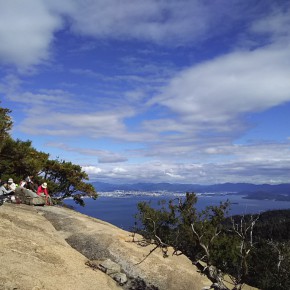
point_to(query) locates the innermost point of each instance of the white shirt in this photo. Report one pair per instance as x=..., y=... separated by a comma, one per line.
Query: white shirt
x=12, y=186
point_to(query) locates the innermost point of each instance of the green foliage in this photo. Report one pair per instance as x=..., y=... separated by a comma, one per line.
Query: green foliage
x=158, y=223
x=181, y=226
x=208, y=227
x=269, y=260
x=225, y=253
x=270, y=264
x=19, y=159
x=5, y=125
x=274, y=225
x=252, y=249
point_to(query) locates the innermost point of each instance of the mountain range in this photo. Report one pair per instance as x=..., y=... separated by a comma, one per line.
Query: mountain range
x=238, y=188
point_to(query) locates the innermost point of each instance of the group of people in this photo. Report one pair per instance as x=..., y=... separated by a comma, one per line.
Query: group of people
x=7, y=189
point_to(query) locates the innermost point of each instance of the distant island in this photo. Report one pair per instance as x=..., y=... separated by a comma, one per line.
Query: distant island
x=262, y=195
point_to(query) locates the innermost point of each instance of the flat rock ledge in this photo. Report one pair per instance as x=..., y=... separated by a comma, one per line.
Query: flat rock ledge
x=58, y=248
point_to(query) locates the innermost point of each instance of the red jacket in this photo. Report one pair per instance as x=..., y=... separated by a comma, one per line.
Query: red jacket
x=41, y=190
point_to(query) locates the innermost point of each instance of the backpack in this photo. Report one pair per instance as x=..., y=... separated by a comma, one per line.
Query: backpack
x=29, y=197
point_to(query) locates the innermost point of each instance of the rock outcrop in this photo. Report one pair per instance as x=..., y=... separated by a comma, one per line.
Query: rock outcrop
x=52, y=248
x=34, y=256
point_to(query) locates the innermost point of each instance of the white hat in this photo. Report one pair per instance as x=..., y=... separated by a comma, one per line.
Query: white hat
x=44, y=185
x=10, y=180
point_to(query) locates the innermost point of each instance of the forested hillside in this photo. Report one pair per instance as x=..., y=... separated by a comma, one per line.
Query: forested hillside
x=251, y=249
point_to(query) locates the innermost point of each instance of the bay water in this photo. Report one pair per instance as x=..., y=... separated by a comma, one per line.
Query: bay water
x=119, y=208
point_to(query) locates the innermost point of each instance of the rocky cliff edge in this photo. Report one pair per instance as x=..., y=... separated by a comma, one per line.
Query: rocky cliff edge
x=57, y=248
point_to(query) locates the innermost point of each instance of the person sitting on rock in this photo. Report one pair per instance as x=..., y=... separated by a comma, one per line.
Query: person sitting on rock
x=11, y=184
x=22, y=183
x=43, y=192
x=4, y=192
x=30, y=184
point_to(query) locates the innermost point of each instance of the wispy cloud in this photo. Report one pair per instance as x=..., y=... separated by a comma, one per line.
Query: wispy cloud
x=208, y=173
x=28, y=28
x=275, y=25
x=229, y=86
x=150, y=20
x=104, y=156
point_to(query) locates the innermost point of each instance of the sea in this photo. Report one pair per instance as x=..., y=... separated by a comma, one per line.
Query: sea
x=120, y=207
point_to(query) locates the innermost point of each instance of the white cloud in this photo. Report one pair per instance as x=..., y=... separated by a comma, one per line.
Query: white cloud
x=262, y=171
x=59, y=113
x=56, y=112
x=92, y=170
x=224, y=88
x=97, y=124
x=119, y=170
x=255, y=163
x=26, y=30
x=174, y=176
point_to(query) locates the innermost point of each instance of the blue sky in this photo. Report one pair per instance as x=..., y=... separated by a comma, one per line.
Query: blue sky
x=152, y=91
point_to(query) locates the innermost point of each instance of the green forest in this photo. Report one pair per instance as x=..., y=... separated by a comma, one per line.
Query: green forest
x=19, y=159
